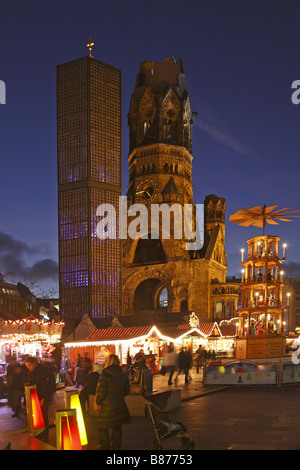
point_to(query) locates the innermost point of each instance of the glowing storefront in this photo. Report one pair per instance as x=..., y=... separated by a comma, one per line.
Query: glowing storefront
x=152, y=339
x=28, y=336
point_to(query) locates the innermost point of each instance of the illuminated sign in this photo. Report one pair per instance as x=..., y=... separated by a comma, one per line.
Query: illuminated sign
x=194, y=320
x=29, y=328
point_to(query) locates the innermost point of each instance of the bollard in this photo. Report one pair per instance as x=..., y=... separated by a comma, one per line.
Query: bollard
x=72, y=401
x=67, y=432
x=35, y=419
x=147, y=381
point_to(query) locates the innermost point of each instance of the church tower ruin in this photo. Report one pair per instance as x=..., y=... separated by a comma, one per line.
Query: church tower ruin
x=160, y=274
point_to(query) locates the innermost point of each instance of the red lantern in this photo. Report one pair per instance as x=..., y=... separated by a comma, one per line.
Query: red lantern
x=67, y=431
x=35, y=419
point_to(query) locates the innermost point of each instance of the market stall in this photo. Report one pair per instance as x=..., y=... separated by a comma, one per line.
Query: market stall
x=209, y=335
x=29, y=336
x=151, y=340
x=123, y=341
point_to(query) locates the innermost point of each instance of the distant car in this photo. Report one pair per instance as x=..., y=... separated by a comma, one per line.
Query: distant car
x=3, y=383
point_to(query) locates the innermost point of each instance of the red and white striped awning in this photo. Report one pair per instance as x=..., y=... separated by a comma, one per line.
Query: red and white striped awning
x=111, y=335
x=206, y=329
x=228, y=330
x=114, y=334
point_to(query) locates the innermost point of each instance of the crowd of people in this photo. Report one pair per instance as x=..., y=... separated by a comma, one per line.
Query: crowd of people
x=106, y=380
x=31, y=371
x=183, y=362
x=110, y=385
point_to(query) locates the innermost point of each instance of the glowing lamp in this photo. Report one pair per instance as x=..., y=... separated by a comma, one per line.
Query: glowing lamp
x=72, y=401
x=35, y=419
x=284, y=248
x=67, y=431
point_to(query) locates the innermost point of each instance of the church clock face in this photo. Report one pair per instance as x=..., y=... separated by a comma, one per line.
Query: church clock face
x=146, y=191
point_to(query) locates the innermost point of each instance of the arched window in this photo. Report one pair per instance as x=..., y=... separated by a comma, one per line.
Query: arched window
x=163, y=298
x=150, y=296
x=219, y=310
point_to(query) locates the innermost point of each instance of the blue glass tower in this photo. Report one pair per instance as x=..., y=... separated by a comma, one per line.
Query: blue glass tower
x=89, y=174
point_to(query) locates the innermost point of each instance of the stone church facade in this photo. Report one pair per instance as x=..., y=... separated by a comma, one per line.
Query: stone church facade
x=159, y=273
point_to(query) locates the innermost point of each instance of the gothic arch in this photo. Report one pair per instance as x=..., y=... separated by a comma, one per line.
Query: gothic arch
x=141, y=283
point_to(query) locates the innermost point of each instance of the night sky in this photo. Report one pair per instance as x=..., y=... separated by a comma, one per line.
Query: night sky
x=240, y=59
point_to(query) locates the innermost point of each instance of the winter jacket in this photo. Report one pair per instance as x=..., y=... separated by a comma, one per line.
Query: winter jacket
x=92, y=382
x=171, y=359
x=41, y=377
x=112, y=388
x=184, y=359
x=65, y=366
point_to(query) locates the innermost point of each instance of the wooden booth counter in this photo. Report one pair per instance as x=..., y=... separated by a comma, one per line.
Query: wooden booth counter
x=260, y=346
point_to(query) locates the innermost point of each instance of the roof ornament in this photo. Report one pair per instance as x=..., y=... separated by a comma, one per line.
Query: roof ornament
x=258, y=216
x=90, y=45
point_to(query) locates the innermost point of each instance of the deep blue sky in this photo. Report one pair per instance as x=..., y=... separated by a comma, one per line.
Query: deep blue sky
x=240, y=59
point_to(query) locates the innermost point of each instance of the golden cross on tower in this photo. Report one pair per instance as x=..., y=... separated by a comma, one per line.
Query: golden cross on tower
x=90, y=45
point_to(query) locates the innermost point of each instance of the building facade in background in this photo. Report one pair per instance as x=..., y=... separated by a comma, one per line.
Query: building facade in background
x=160, y=274
x=89, y=174
x=16, y=301
x=292, y=289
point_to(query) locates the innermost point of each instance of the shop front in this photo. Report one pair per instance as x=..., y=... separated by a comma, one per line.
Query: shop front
x=210, y=335
x=28, y=336
x=123, y=342
x=151, y=341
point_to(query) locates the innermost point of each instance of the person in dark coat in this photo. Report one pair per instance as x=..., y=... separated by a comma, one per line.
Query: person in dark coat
x=9, y=379
x=65, y=369
x=85, y=365
x=39, y=376
x=77, y=366
x=184, y=363
x=89, y=389
x=17, y=388
x=112, y=388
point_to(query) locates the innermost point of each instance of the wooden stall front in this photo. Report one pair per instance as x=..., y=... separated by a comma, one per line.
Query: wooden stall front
x=260, y=346
x=122, y=341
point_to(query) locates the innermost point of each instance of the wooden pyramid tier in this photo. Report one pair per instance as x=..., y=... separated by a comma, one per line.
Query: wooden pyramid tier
x=261, y=325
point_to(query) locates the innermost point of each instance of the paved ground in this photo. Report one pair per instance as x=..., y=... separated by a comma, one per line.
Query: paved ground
x=264, y=418
x=256, y=418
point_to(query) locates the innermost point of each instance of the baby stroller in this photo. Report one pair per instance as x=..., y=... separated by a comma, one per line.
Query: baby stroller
x=165, y=427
